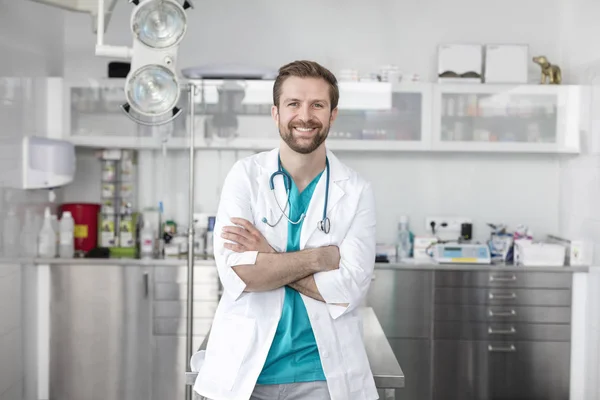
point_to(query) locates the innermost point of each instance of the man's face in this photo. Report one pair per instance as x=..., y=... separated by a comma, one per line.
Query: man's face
x=304, y=114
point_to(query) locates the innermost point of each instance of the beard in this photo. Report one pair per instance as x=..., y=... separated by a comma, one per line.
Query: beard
x=304, y=145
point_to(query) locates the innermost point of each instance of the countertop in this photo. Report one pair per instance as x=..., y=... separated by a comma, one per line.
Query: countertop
x=386, y=370
x=176, y=262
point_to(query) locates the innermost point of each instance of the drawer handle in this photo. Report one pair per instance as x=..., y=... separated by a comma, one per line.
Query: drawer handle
x=510, y=313
x=146, y=284
x=510, y=331
x=509, y=349
x=494, y=278
x=505, y=296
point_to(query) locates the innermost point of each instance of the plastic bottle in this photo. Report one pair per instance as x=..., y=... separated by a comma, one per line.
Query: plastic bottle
x=29, y=236
x=403, y=244
x=147, y=240
x=11, y=233
x=47, y=237
x=66, y=226
x=55, y=228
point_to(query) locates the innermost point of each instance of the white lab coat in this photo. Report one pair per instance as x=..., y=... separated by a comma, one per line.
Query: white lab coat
x=245, y=323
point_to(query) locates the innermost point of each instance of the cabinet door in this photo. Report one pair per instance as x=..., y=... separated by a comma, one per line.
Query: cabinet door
x=414, y=357
x=482, y=370
x=535, y=371
x=511, y=118
x=466, y=370
x=93, y=117
x=402, y=301
x=378, y=116
x=100, y=332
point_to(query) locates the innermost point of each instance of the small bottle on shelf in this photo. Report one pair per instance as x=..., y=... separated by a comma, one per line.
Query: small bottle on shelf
x=47, y=237
x=404, y=242
x=66, y=226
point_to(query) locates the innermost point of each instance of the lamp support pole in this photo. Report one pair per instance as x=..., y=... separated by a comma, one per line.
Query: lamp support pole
x=104, y=50
x=190, y=264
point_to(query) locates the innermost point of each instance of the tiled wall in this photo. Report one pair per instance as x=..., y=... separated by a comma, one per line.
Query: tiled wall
x=482, y=187
x=11, y=356
x=27, y=51
x=580, y=180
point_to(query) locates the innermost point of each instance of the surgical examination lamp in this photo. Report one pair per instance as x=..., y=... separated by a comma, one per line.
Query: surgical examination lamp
x=152, y=88
x=152, y=91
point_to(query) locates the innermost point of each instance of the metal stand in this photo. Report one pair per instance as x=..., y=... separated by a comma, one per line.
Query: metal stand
x=190, y=265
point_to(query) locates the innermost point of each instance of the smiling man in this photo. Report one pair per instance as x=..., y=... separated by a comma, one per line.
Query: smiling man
x=295, y=250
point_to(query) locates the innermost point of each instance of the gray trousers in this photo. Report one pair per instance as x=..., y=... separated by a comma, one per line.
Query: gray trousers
x=291, y=391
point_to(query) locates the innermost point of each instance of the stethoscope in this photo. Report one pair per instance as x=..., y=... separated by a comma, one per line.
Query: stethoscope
x=323, y=225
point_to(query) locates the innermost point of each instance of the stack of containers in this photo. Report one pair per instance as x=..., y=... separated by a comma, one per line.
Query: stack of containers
x=118, y=220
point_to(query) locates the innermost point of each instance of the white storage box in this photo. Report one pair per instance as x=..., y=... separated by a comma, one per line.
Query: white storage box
x=539, y=254
x=463, y=60
x=506, y=63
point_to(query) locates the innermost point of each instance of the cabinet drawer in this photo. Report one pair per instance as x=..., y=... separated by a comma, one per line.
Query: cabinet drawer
x=177, y=309
x=177, y=291
x=177, y=326
x=503, y=313
x=501, y=331
x=501, y=279
x=203, y=274
x=508, y=296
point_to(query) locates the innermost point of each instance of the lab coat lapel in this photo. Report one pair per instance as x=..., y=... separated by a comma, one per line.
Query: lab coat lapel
x=314, y=213
x=277, y=234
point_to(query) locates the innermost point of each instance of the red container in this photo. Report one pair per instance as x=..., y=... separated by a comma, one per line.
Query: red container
x=85, y=216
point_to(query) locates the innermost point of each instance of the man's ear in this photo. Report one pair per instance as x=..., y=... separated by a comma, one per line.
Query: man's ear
x=275, y=114
x=334, y=114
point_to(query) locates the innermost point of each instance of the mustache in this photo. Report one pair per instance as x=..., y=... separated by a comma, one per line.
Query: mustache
x=305, y=125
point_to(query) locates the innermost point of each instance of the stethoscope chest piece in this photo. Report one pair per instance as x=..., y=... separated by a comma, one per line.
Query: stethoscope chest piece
x=324, y=225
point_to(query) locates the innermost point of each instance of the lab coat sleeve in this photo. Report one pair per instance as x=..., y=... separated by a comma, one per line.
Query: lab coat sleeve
x=349, y=283
x=235, y=202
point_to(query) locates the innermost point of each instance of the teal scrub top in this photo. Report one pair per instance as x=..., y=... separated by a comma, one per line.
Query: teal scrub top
x=294, y=356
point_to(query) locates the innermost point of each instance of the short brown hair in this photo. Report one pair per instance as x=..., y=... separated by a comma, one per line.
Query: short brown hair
x=306, y=69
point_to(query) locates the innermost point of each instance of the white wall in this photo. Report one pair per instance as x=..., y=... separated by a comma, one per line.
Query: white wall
x=365, y=35
x=31, y=44
x=338, y=33
x=30, y=39
x=580, y=177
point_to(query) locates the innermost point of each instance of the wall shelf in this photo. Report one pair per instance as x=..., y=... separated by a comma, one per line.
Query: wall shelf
x=373, y=116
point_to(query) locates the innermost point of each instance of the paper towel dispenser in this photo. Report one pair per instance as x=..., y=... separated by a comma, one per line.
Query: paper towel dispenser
x=35, y=162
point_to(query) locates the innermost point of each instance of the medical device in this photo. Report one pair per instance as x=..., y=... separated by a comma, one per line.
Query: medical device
x=462, y=253
x=323, y=225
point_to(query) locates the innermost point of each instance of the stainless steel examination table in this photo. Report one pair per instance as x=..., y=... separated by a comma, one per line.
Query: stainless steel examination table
x=386, y=369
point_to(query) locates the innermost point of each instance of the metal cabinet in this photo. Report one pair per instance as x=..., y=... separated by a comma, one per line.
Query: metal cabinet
x=403, y=303
x=169, y=295
x=100, y=332
x=501, y=335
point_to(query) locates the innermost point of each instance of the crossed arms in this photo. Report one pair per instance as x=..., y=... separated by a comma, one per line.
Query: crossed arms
x=336, y=275
x=273, y=270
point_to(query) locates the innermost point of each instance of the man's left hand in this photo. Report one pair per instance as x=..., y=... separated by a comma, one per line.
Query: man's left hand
x=245, y=237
